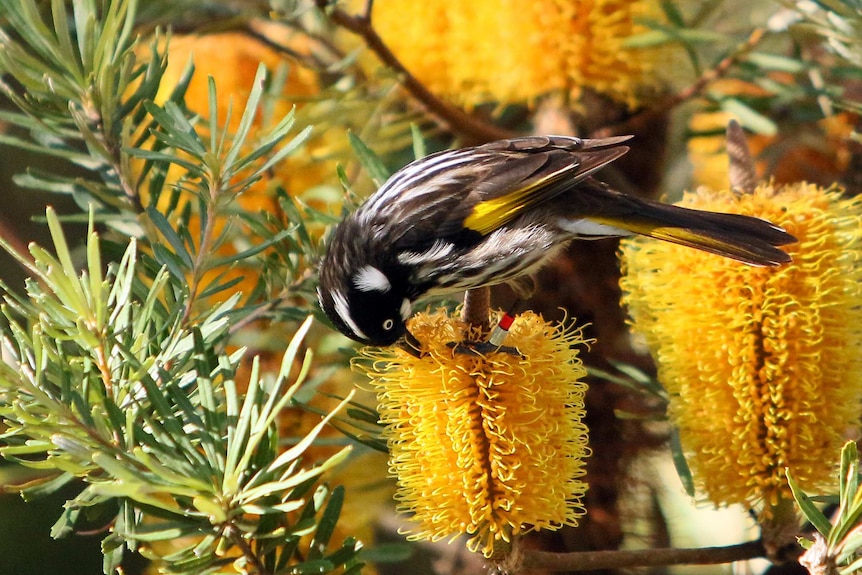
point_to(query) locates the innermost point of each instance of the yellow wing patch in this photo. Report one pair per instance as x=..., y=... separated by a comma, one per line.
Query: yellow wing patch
x=492, y=214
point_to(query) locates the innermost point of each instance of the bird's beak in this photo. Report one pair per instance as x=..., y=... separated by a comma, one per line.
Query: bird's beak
x=411, y=345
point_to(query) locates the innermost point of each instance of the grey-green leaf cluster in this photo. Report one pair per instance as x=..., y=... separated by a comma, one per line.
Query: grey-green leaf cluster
x=837, y=544
x=122, y=371
x=102, y=382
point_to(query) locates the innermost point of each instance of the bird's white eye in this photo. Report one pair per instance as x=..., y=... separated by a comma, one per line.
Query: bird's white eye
x=388, y=324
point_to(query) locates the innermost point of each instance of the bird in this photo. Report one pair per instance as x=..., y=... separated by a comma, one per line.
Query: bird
x=496, y=213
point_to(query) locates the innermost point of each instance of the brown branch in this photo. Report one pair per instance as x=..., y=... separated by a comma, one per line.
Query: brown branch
x=686, y=94
x=595, y=560
x=472, y=129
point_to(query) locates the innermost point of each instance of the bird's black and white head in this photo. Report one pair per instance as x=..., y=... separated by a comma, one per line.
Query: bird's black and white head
x=358, y=296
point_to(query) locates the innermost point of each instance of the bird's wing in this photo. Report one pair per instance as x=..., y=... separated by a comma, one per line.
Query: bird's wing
x=499, y=182
x=536, y=170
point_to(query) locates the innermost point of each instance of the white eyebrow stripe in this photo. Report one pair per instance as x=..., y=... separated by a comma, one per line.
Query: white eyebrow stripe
x=439, y=249
x=369, y=278
x=343, y=311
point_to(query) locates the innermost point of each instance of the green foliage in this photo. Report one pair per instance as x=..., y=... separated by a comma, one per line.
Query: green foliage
x=80, y=97
x=837, y=546
x=104, y=382
x=118, y=369
x=838, y=23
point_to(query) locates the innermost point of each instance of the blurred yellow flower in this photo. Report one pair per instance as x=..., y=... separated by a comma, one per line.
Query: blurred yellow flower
x=511, y=51
x=489, y=446
x=762, y=365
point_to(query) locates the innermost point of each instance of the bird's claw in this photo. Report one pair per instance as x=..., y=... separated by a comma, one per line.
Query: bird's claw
x=478, y=348
x=482, y=348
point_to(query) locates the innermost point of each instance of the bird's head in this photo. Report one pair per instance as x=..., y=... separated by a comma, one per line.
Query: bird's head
x=363, y=303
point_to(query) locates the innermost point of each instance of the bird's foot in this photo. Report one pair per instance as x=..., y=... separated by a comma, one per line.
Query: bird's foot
x=483, y=348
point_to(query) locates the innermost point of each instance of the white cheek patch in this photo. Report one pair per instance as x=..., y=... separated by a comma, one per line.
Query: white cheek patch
x=406, y=309
x=369, y=278
x=586, y=228
x=343, y=311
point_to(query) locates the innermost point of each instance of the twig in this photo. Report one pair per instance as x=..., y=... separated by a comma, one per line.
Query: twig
x=595, y=560
x=687, y=93
x=247, y=551
x=454, y=119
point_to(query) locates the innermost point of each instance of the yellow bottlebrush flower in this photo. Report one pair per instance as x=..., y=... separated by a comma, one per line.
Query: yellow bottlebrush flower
x=512, y=51
x=762, y=364
x=489, y=446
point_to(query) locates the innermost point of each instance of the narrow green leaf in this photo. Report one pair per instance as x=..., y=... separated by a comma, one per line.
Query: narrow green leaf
x=294, y=452
x=156, y=156
x=177, y=131
x=369, y=160
x=809, y=510
x=252, y=251
x=60, y=245
x=776, y=62
x=238, y=435
x=366, y=416
x=212, y=94
x=65, y=524
x=43, y=488
x=161, y=531
x=673, y=14
x=680, y=463
x=387, y=553
x=165, y=228
x=247, y=119
x=856, y=566
x=748, y=117
x=419, y=150
x=311, y=567
x=346, y=554
x=327, y=524
x=849, y=472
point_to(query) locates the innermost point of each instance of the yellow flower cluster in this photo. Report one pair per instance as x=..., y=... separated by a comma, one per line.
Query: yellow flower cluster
x=513, y=51
x=763, y=365
x=491, y=446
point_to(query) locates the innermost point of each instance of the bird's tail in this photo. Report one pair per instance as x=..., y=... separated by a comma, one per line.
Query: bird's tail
x=743, y=238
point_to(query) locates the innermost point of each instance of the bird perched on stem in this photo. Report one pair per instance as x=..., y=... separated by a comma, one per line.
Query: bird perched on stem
x=491, y=214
